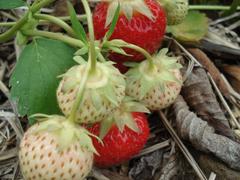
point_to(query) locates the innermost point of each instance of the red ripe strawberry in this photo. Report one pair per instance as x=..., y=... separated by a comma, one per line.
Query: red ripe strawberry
x=120, y=146
x=141, y=22
x=121, y=67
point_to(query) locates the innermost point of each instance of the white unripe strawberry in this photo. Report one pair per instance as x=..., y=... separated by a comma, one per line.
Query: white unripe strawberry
x=56, y=149
x=104, y=91
x=156, y=87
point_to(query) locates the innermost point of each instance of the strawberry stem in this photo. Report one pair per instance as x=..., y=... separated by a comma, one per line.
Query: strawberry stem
x=20, y=23
x=56, y=21
x=63, y=18
x=36, y=7
x=210, y=7
x=91, y=36
x=144, y=52
x=79, y=96
x=7, y=23
x=56, y=36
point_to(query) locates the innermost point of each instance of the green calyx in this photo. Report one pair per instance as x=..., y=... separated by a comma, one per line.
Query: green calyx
x=160, y=73
x=116, y=45
x=123, y=116
x=103, y=84
x=128, y=8
x=66, y=132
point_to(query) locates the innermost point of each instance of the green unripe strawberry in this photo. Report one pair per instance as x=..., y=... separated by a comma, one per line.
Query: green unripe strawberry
x=176, y=10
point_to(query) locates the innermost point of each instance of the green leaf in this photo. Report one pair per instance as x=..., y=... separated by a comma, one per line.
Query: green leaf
x=113, y=24
x=130, y=122
x=96, y=99
x=117, y=43
x=146, y=85
x=137, y=107
x=118, y=50
x=34, y=80
x=131, y=64
x=105, y=127
x=86, y=142
x=76, y=25
x=111, y=12
x=11, y=4
x=110, y=95
x=82, y=51
x=66, y=137
x=79, y=60
x=193, y=28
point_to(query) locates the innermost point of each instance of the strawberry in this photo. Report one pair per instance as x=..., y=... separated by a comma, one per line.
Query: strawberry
x=176, y=10
x=156, y=86
x=123, y=140
x=104, y=91
x=56, y=149
x=141, y=22
x=121, y=67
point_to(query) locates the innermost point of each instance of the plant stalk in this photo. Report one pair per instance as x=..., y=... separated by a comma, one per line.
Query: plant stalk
x=67, y=18
x=79, y=96
x=92, y=53
x=11, y=32
x=36, y=7
x=142, y=51
x=63, y=18
x=7, y=23
x=56, y=21
x=210, y=7
x=56, y=36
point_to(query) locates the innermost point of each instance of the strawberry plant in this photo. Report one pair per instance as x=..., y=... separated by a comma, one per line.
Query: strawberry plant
x=78, y=79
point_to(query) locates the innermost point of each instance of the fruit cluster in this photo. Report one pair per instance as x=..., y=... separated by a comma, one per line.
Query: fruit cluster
x=98, y=100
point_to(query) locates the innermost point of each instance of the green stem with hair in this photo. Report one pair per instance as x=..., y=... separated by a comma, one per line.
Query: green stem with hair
x=11, y=32
x=63, y=18
x=142, y=51
x=92, y=52
x=67, y=18
x=7, y=23
x=20, y=23
x=36, y=7
x=56, y=36
x=210, y=7
x=56, y=21
x=79, y=96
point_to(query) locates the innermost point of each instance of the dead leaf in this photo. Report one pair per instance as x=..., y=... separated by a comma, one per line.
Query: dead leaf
x=211, y=68
x=233, y=73
x=145, y=168
x=203, y=137
x=199, y=95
